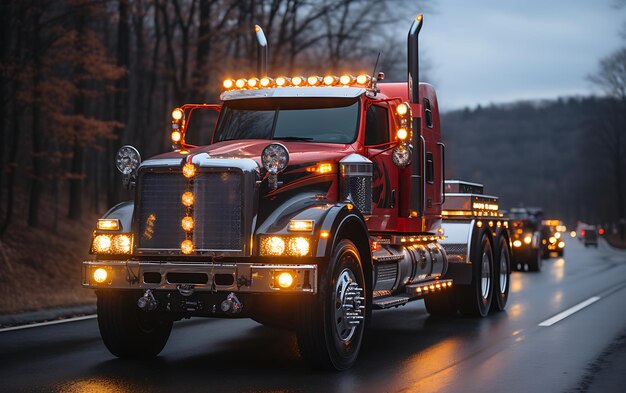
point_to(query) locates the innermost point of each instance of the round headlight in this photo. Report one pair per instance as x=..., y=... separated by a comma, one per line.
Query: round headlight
x=127, y=160
x=401, y=156
x=275, y=157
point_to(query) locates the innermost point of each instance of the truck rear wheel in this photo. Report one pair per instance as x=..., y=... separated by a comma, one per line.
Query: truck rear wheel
x=331, y=324
x=474, y=300
x=127, y=331
x=501, y=275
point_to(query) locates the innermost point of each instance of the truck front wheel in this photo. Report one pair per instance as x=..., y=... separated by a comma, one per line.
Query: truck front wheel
x=331, y=324
x=127, y=331
x=474, y=300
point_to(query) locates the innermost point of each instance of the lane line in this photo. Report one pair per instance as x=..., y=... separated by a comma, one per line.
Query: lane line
x=40, y=324
x=569, y=311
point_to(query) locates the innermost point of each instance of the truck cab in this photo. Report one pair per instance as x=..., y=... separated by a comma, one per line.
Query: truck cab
x=318, y=200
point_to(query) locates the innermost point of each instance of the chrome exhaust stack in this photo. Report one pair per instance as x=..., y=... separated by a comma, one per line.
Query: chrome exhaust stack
x=147, y=302
x=262, y=52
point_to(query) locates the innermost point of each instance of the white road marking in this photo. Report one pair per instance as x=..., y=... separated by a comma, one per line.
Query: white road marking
x=32, y=325
x=569, y=311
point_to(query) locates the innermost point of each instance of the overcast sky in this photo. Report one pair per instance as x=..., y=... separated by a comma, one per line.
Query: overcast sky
x=484, y=51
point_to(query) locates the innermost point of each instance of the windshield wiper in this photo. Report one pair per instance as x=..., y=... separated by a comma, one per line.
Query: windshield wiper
x=293, y=138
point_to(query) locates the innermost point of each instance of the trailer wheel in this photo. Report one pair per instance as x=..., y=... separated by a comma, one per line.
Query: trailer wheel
x=127, y=331
x=330, y=325
x=501, y=275
x=474, y=300
x=441, y=304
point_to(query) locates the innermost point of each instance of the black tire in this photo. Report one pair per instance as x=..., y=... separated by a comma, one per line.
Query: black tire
x=535, y=261
x=474, y=300
x=127, y=331
x=501, y=275
x=324, y=339
x=441, y=304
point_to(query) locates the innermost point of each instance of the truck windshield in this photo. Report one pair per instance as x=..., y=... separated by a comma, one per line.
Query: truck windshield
x=310, y=120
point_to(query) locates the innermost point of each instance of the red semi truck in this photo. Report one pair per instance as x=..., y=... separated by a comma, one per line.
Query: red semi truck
x=318, y=200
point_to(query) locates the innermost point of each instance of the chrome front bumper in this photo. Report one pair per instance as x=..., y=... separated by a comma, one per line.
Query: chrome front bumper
x=231, y=277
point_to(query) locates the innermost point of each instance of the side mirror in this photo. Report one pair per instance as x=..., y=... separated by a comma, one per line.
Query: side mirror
x=127, y=162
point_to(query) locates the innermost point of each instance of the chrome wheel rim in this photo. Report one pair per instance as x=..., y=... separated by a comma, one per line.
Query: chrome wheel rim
x=504, y=268
x=486, y=276
x=348, y=305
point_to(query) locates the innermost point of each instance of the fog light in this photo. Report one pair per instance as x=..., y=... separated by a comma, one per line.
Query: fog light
x=101, y=244
x=517, y=243
x=299, y=246
x=100, y=275
x=285, y=280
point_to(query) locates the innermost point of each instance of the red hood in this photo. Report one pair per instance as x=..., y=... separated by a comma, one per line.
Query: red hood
x=299, y=152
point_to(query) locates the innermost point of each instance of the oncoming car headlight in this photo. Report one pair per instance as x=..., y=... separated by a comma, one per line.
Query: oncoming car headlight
x=294, y=246
x=116, y=244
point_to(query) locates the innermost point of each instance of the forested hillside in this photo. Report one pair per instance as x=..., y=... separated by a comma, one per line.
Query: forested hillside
x=552, y=154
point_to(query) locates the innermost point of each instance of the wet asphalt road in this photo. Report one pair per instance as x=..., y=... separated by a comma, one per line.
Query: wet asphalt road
x=406, y=350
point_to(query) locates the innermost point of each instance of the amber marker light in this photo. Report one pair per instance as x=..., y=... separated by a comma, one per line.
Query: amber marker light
x=301, y=225
x=324, y=234
x=187, y=223
x=228, y=84
x=189, y=170
x=100, y=275
x=479, y=224
x=186, y=246
x=176, y=136
x=240, y=83
x=346, y=79
x=297, y=81
x=177, y=114
x=188, y=198
x=313, y=80
x=108, y=224
x=572, y=234
x=362, y=79
x=265, y=82
x=280, y=81
x=285, y=280
x=402, y=134
x=402, y=109
x=330, y=80
x=253, y=82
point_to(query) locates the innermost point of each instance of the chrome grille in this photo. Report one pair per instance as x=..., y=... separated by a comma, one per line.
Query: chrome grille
x=217, y=211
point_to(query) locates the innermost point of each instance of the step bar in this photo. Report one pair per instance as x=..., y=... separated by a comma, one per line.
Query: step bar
x=413, y=292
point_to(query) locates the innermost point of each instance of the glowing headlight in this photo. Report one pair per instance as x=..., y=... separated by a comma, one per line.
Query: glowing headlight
x=402, y=109
x=557, y=235
x=101, y=244
x=127, y=160
x=528, y=239
x=273, y=245
x=177, y=114
x=112, y=244
x=299, y=246
x=552, y=240
x=517, y=243
x=275, y=157
x=401, y=156
x=561, y=244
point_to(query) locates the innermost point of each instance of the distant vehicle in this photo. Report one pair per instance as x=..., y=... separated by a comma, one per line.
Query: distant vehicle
x=526, y=238
x=552, y=238
x=589, y=236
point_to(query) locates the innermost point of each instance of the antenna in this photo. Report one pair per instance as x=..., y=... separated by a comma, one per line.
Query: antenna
x=375, y=66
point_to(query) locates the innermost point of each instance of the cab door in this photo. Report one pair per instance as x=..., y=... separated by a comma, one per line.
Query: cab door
x=385, y=181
